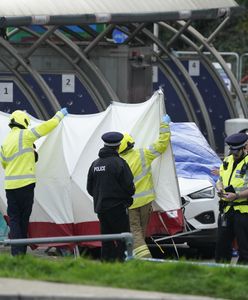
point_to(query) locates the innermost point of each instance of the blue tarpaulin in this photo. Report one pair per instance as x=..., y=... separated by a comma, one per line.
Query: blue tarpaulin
x=194, y=157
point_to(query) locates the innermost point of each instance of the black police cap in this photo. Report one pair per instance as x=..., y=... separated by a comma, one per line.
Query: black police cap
x=236, y=140
x=112, y=138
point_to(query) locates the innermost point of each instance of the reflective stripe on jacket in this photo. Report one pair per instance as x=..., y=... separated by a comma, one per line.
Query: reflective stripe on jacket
x=238, y=178
x=140, y=160
x=17, y=153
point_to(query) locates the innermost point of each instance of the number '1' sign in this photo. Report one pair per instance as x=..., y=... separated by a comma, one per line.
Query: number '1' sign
x=6, y=91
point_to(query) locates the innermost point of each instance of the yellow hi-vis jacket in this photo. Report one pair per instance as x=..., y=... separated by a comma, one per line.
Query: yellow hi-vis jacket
x=140, y=160
x=238, y=178
x=17, y=153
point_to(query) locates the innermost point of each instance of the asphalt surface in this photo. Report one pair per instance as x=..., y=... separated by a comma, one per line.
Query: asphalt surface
x=18, y=289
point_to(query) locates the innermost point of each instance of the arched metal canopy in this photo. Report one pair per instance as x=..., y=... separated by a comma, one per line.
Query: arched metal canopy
x=133, y=18
x=73, y=12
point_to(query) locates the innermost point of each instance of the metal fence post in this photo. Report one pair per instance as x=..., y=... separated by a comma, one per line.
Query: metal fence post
x=129, y=244
x=126, y=236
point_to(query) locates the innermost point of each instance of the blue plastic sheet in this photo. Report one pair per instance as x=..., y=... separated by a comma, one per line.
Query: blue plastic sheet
x=194, y=157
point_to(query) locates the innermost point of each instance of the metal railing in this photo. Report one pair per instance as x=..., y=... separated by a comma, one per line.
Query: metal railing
x=126, y=236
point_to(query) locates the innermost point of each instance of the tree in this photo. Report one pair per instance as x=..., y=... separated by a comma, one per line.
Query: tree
x=234, y=38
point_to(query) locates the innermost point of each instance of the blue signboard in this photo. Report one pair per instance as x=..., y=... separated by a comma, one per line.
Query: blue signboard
x=119, y=37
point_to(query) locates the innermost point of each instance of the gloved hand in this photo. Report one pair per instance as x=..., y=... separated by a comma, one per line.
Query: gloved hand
x=166, y=119
x=64, y=111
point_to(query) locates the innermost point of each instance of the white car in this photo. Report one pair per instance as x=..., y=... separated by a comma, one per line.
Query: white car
x=194, y=160
x=201, y=210
x=200, y=202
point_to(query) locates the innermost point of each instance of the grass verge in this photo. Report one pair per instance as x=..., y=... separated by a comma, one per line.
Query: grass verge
x=171, y=277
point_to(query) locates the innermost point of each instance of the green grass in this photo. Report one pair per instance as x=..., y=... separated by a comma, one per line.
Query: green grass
x=171, y=277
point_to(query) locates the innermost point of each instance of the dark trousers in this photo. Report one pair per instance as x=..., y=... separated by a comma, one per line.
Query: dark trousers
x=236, y=227
x=20, y=203
x=112, y=221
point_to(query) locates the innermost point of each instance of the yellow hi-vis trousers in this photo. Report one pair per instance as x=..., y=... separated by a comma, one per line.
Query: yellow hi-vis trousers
x=139, y=218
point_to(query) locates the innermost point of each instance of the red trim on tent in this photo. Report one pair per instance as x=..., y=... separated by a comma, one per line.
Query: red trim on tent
x=158, y=224
x=46, y=229
x=170, y=222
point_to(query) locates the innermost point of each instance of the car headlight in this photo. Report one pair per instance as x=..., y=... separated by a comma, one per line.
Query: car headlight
x=208, y=192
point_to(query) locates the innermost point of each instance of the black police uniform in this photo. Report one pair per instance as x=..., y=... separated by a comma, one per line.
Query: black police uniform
x=233, y=223
x=110, y=183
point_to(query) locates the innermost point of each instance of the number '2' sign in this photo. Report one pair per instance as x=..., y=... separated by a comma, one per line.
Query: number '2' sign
x=68, y=83
x=6, y=91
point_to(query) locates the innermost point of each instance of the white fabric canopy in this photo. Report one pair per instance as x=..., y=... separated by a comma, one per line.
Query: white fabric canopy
x=24, y=12
x=74, y=7
x=66, y=154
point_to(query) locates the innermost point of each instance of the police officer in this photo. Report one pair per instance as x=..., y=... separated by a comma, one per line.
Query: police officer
x=232, y=187
x=18, y=158
x=140, y=161
x=110, y=183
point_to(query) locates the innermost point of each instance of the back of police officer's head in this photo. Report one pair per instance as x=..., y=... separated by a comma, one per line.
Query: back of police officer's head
x=237, y=143
x=112, y=139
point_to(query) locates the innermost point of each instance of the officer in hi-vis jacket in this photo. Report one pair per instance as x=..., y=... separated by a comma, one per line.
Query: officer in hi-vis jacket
x=18, y=157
